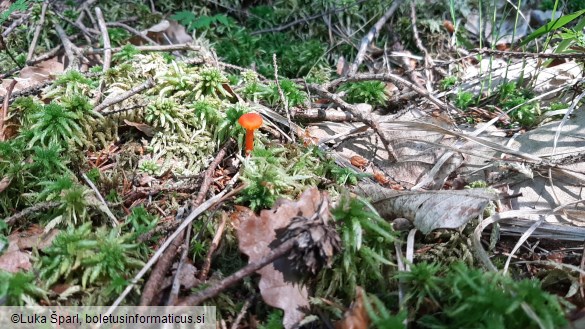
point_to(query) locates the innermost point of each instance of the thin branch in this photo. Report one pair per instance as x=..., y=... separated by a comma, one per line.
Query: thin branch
x=389, y=77
x=316, y=114
x=205, y=185
x=101, y=198
x=428, y=60
x=357, y=113
x=186, y=222
x=283, y=99
x=106, y=37
x=133, y=31
x=68, y=46
x=89, y=34
x=367, y=40
x=242, y=312
x=49, y=54
x=214, y=243
x=38, y=29
x=44, y=206
x=84, y=9
x=109, y=102
x=4, y=112
x=15, y=24
x=520, y=54
x=307, y=19
x=152, y=285
x=181, y=46
x=248, y=270
x=176, y=286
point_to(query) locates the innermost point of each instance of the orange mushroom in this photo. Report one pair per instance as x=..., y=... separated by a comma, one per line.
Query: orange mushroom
x=250, y=122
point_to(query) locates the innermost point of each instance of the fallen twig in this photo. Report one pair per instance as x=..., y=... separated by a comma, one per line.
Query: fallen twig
x=242, y=312
x=214, y=290
x=114, y=100
x=162, y=266
x=357, y=113
x=151, y=287
x=181, y=46
x=106, y=37
x=49, y=54
x=316, y=114
x=15, y=24
x=521, y=54
x=428, y=60
x=389, y=77
x=176, y=285
x=133, y=31
x=186, y=222
x=43, y=206
x=307, y=19
x=283, y=99
x=68, y=46
x=4, y=112
x=366, y=40
x=38, y=29
x=99, y=196
x=214, y=243
x=88, y=33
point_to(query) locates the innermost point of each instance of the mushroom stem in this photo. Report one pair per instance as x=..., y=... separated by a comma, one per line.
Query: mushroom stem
x=249, y=140
x=250, y=122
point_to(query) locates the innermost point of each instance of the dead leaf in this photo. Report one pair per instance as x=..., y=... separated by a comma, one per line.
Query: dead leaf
x=165, y=32
x=36, y=238
x=279, y=283
x=342, y=66
x=143, y=127
x=357, y=316
x=188, y=276
x=33, y=75
x=428, y=210
x=13, y=259
x=4, y=183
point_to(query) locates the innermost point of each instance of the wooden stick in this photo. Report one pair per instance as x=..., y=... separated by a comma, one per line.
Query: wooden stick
x=366, y=40
x=214, y=290
x=146, y=85
x=38, y=29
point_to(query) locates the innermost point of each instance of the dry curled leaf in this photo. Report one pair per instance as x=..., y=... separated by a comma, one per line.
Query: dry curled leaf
x=279, y=283
x=13, y=259
x=143, y=127
x=428, y=210
x=165, y=32
x=357, y=316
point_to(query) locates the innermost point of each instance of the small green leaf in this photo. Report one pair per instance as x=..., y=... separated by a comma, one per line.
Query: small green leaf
x=552, y=26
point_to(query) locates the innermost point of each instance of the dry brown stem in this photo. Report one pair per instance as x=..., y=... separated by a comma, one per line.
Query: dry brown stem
x=4, y=112
x=214, y=290
x=358, y=114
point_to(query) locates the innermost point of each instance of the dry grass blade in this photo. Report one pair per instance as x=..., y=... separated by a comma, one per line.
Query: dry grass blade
x=480, y=252
x=565, y=118
x=521, y=241
x=409, y=125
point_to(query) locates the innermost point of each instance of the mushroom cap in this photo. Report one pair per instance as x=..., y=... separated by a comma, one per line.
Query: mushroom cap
x=250, y=121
